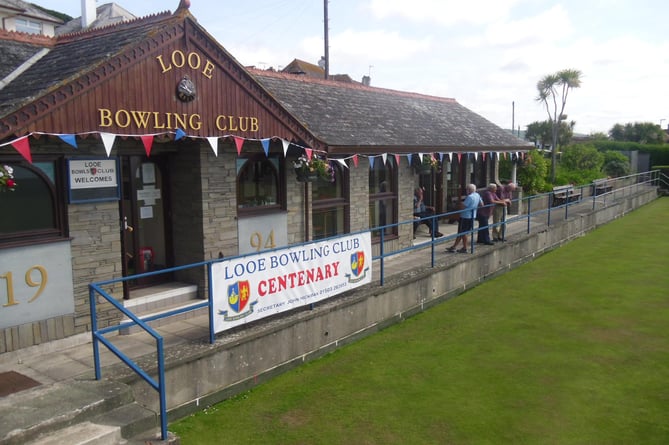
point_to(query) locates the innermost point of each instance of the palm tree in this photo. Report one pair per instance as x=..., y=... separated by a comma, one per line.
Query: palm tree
x=553, y=91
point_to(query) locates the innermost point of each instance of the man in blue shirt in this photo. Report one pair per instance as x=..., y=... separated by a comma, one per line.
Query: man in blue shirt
x=467, y=217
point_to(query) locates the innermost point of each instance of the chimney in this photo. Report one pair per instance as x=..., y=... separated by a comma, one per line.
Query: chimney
x=366, y=80
x=88, y=13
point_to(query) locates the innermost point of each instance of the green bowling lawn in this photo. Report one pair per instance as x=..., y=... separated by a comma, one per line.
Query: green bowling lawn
x=572, y=348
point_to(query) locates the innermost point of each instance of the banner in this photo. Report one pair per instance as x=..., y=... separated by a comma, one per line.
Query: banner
x=257, y=286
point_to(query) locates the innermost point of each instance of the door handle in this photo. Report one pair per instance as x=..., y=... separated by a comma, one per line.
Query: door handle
x=126, y=226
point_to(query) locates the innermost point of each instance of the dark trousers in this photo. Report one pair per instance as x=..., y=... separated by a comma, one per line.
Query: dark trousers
x=483, y=233
x=428, y=222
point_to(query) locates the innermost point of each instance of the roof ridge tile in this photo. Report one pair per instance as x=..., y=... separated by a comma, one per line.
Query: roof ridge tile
x=350, y=85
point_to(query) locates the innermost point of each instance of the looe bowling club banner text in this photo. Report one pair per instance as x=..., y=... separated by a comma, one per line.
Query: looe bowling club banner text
x=253, y=287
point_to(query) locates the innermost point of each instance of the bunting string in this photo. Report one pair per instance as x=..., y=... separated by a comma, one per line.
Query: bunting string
x=22, y=145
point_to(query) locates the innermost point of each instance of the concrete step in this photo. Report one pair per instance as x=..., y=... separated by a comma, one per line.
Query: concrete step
x=41, y=411
x=85, y=433
x=161, y=299
x=131, y=419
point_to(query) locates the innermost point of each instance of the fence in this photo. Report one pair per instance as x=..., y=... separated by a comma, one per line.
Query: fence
x=534, y=211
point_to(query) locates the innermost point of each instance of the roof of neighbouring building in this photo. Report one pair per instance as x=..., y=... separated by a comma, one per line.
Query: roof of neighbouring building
x=298, y=66
x=106, y=15
x=28, y=10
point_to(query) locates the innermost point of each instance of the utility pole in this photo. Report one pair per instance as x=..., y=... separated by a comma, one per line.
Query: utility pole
x=327, y=40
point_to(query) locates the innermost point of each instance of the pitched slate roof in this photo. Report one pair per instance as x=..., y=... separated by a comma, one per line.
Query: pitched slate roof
x=354, y=117
x=69, y=57
x=14, y=52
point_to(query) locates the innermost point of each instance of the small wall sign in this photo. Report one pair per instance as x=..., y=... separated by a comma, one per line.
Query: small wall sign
x=93, y=180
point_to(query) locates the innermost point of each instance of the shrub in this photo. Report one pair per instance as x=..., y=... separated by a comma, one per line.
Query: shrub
x=616, y=164
x=532, y=173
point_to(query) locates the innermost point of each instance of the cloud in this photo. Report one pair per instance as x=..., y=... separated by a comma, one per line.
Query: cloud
x=383, y=45
x=549, y=27
x=443, y=12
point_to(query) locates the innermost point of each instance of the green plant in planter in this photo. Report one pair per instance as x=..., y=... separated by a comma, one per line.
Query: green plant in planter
x=312, y=169
x=428, y=164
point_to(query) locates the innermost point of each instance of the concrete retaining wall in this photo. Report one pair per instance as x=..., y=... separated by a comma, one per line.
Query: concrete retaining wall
x=202, y=374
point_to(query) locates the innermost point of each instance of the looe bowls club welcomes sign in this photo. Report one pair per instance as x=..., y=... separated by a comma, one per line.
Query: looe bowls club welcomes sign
x=256, y=286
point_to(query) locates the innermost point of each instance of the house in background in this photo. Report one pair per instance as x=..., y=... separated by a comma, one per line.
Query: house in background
x=300, y=67
x=105, y=15
x=20, y=16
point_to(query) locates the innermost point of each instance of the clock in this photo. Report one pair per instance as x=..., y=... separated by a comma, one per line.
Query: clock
x=186, y=90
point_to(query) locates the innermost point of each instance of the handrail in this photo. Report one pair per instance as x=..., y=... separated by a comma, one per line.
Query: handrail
x=98, y=334
x=629, y=183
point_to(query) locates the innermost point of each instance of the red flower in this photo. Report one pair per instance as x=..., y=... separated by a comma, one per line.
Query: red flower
x=11, y=183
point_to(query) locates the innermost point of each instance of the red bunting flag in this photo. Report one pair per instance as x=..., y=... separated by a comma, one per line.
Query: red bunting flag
x=23, y=146
x=238, y=142
x=309, y=152
x=147, y=140
x=355, y=160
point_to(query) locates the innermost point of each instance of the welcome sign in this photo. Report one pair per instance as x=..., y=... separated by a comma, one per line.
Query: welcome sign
x=253, y=287
x=93, y=180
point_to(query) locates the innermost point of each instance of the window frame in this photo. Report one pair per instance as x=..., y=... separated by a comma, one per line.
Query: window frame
x=343, y=202
x=59, y=204
x=391, y=171
x=280, y=205
x=28, y=26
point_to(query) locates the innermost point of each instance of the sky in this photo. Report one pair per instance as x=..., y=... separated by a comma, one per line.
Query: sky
x=486, y=54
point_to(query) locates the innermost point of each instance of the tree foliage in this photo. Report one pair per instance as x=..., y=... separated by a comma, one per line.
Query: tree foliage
x=532, y=173
x=641, y=132
x=553, y=92
x=541, y=133
x=599, y=136
x=582, y=157
x=616, y=164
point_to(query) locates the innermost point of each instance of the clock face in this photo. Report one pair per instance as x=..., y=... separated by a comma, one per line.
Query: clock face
x=186, y=89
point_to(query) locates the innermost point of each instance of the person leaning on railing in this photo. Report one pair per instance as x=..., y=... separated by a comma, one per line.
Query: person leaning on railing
x=505, y=194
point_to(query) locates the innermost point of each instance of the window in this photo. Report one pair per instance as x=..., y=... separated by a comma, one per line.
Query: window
x=258, y=185
x=383, y=198
x=330, y=205
x=29, y=26
x=35, y=210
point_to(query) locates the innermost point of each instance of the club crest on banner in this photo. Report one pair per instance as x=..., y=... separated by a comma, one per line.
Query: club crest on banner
x=358, y=270
x=239, y=296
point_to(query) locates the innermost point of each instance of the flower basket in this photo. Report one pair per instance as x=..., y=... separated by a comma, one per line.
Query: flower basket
x=304, y=175
x=7, y=182
x=428, y=165
x=310, y=170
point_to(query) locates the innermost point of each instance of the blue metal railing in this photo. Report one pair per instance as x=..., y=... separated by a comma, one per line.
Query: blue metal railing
x=95, y=289
x=624, y=186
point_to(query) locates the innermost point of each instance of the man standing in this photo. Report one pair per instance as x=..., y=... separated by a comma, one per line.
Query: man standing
x=505, y=195
x=420, y=210
x=467, y=216
x=490, y=200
